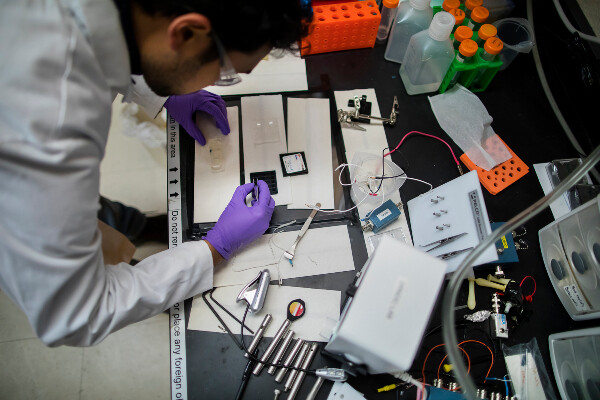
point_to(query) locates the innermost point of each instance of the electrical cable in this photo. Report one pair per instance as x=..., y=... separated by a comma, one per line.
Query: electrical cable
x=428, y=135
x=529, y=297
x=546, y=87
x=455, y=283
x=570, y=27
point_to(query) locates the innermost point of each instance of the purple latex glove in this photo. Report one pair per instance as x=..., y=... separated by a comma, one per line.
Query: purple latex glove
x=183, y=107
x=239, y=224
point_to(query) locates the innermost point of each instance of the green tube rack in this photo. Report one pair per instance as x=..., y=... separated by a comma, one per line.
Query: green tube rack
x=475, y=75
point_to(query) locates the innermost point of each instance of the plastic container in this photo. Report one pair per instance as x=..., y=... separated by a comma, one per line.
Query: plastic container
x=499, y=9
x=470, y=5
x=478, y=17
x=459, y=16
x=413, y=16
x=461, y=33
x=467, y=49
x=428, y=56
x=388, y=13
x=484, y=33
x=517, y=35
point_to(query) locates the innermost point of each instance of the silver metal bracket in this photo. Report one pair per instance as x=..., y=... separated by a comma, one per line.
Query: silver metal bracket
x=347, y=117
x=255, y=297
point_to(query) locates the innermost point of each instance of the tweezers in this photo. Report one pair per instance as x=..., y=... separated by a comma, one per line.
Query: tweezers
x=443, y=242
x=451, y=254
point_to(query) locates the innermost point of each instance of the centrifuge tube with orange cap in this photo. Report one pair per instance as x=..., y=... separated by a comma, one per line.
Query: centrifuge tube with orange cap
x=459, y=16
x=478, y=17
x=492, y=47
x=466, y=51
x=448, y=5
x=485, y=32
x=470, y=5
x=388, y=13
x=461, y=33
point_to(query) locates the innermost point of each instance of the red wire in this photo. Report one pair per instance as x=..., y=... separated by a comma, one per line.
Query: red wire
x=424, y=134
x=464, y=341
x=529, y=297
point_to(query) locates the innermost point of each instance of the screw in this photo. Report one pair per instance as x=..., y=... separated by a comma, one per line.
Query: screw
x=277, y=393
x=437, y=214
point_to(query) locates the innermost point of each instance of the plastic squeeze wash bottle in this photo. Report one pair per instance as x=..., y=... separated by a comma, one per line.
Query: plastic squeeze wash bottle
x=413, y=16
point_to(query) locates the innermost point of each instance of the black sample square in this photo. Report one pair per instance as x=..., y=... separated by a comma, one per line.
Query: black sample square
x=269, y=177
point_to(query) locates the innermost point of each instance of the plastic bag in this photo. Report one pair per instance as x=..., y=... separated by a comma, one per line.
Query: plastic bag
x=136, y=123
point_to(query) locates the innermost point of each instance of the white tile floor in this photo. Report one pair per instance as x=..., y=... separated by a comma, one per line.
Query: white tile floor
x=132, y=363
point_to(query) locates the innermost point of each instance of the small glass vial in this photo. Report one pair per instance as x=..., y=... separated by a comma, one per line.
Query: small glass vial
x=470, y=5
x=485, y=32
x=466, y=51
x=459, y=16
x=448, y=5
x=388, y=13
x=478, y=17
x=461, y=33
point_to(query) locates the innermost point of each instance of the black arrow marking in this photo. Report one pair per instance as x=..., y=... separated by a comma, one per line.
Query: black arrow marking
x=174, y=194
x=174, y=181
x=173, y=169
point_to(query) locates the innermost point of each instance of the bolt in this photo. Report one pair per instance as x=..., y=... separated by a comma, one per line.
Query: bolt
x=277, y=393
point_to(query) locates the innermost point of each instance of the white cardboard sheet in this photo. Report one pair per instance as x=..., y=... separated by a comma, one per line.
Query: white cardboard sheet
x=271, y=75
x=263, y=128
x=321, y=251
x=208, y=206
x=322, y=311
x=373, y=140
x=309, y=130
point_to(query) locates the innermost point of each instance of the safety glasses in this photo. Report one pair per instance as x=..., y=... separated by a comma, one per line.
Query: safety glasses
x=228, y=75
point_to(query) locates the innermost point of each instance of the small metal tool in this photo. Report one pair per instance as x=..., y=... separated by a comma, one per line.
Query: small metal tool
x=349, y=117
x=443, y=242
x=451, y=254
x=312, y=351
x=267, y=354
x=258, y=335
x=285, y=343
x=255, y=298
x=289, y=254
x=297, y=363
x=289, y=359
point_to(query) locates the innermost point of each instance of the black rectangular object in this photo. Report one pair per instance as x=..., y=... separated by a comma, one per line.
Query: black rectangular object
x=269, y=177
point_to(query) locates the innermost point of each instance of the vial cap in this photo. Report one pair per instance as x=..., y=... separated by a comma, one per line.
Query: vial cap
x=468, y=48
x=471, y=4
x=390, y=3
x=493, y=45
x=459, y=15
x=419, y=4
x=441, y=26
x=462, y=33
x=480, y=14
x=448, y=5
x=487, y=31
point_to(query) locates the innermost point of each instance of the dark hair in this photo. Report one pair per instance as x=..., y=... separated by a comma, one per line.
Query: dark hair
x=244, y=25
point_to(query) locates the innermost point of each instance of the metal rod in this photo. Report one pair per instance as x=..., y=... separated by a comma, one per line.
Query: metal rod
x=301, y=374
x=297, y=363
x=287, y=339
x=210, y=293
x=259, y=334
x=312, y=395
x=276, y=339
x=231, y=335
x=288, y=361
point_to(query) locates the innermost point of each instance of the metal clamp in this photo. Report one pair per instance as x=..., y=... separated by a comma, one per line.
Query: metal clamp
x=348, y=117
x=255, y=298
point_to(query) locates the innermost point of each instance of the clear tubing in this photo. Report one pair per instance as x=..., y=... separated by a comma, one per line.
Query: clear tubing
x=454, y=286
x=387, y=17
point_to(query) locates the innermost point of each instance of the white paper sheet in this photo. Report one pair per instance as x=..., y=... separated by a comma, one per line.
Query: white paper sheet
x=309, y=130
x=213, y=189
x=373, y=140
x=263, y=128
x=271, y=75
x=321, y=251
x=322, y=310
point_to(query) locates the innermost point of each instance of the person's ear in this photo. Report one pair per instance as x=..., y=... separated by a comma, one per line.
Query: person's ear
x=188, y=27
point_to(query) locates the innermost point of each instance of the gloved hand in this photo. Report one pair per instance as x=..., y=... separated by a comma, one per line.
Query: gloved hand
x=183, y=107
x=239, y=224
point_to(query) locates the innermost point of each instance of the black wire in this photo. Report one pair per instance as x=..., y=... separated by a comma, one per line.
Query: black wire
x=221, y=321
x=267, y=364
x=382, y=171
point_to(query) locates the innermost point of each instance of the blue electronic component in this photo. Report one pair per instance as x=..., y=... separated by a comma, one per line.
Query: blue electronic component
x=382, y=216
x=434, y=393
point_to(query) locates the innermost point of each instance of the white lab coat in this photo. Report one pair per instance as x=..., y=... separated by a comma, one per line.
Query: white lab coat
x=61, y=64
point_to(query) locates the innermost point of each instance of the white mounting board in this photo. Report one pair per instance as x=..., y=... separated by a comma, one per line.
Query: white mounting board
x=263, y=128
x=461, y=196
x=207, y=206
x=373, y=140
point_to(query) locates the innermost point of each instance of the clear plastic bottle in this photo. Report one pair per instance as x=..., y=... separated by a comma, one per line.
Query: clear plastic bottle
x=388, y=13
x=428, y=56
x=413, y=16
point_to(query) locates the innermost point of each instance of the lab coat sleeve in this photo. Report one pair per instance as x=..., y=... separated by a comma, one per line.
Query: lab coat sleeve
x=140, y=93
x=54, y=118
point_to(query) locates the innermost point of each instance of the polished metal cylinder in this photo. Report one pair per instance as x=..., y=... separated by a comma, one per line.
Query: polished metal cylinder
x=288, y=361
x=312, y=351
x=312, y=395
x=294, y=370
x=258, y=335
x=276, y=339
x=285, y=343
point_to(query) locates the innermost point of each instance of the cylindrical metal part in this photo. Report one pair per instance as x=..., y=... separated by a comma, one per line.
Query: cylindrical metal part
x=312, y=395
x=297, y=363
x=258, y=335
x=312, y=351
x=288, y=361
x=267, y=354
x=285, y=343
